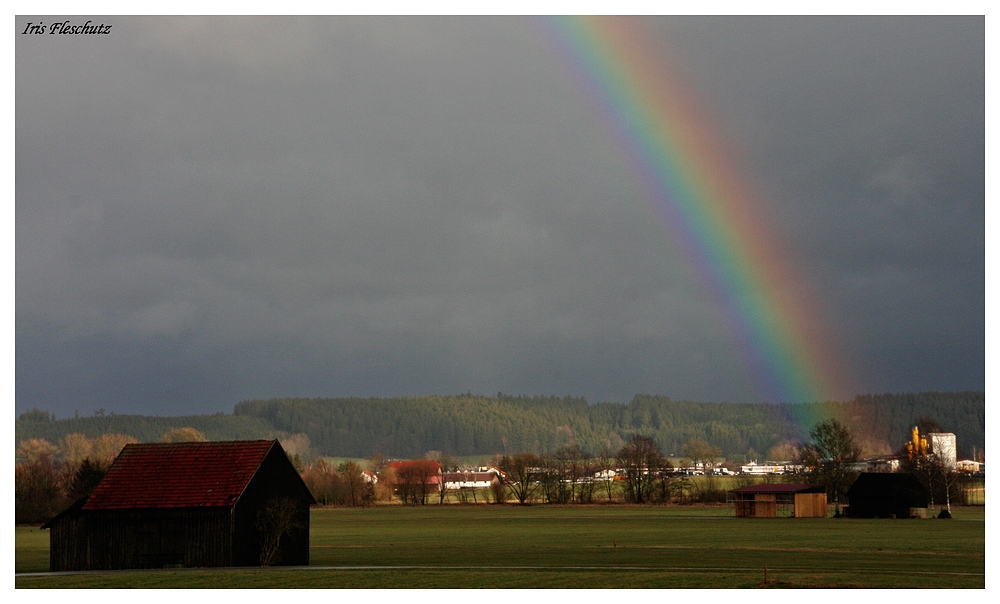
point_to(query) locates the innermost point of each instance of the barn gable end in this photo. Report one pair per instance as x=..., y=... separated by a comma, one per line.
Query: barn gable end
x=275, y=478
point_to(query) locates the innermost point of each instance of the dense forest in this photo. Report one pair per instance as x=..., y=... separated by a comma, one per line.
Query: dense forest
x=472, y=425
x=144, y=428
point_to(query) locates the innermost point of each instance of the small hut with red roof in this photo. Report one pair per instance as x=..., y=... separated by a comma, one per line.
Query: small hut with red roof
x=194, y=504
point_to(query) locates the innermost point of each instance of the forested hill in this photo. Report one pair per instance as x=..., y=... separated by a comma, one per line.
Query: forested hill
x=479, y=425
x=145, y=428
x=470, y=425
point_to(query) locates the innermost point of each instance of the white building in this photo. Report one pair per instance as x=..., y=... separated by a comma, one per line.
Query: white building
x=770, y=467
x=943, y=446
x=967, y=465
x=756, y=469
x=470, y=479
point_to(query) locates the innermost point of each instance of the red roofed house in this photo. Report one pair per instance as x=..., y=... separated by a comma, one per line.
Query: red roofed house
x=188, y=504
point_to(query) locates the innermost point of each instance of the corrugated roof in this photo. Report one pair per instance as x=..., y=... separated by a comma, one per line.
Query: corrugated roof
x=176, y=475
x=781, y=488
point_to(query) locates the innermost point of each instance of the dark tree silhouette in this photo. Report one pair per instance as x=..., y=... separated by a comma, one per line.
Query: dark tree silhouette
x=522, y=472
x=641, y=461
x=830, y=457
x=86, y=478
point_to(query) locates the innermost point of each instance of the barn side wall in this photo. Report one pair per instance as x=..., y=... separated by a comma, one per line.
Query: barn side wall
x=67, y=544
x=123, y=539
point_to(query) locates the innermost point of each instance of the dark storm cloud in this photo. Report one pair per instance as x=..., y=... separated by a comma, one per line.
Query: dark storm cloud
x=867, y=137
x=213, y=209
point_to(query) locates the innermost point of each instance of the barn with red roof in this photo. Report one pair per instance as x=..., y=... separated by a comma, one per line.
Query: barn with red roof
x=194, y=504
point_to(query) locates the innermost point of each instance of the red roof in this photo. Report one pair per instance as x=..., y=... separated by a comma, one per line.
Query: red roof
x=781, y=488
x=179, y=475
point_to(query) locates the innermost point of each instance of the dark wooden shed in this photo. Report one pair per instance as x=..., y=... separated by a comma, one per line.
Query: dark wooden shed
x=776, y=500
x=196, y=504
x=881, y=495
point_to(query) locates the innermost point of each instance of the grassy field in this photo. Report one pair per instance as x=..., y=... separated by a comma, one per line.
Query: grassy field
x=584, y=546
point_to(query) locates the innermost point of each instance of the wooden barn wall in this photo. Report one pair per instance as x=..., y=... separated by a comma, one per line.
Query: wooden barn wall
x=810, y=505
x=120, y=539
x=276, y=477
x=67, y=544
x=765, y=505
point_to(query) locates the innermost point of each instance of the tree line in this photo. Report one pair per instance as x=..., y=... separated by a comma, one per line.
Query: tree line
x=48, y=478
x=638, y=472
x=471, y=425
x=481, y=425
x=146, y=428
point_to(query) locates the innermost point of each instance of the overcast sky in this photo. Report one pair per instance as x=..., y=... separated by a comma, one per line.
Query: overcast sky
x=215, y=209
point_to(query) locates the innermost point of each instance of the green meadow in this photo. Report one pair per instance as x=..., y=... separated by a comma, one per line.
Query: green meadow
x=609, y=546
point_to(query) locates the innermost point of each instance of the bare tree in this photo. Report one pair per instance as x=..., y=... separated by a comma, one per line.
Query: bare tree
x=522, y=472
x=919, y=457
x=498, y=490
x=926, y=467
x=186, y=434
x=700, y=452
x=385, y=484
x=570, y=457
x=406, y=484
x=277, y=518
x=605, y=467
x=931, y=472
x=641, y=460
x=425, y=473
x=705, y=454
x=74, y=448
x=34, y=449
x=377, y=463
x=106, y=447
x=830, y=458
x=786, y=451
x=39, y=489
x=358, y=490
x=447, y=462
x=416, y=479
x=553, y=476
x=669, y=486
x=323, y=482
x=949, y=479
x=584, y=476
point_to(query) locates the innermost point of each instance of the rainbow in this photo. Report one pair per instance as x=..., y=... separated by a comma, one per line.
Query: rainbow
x=707, y=206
